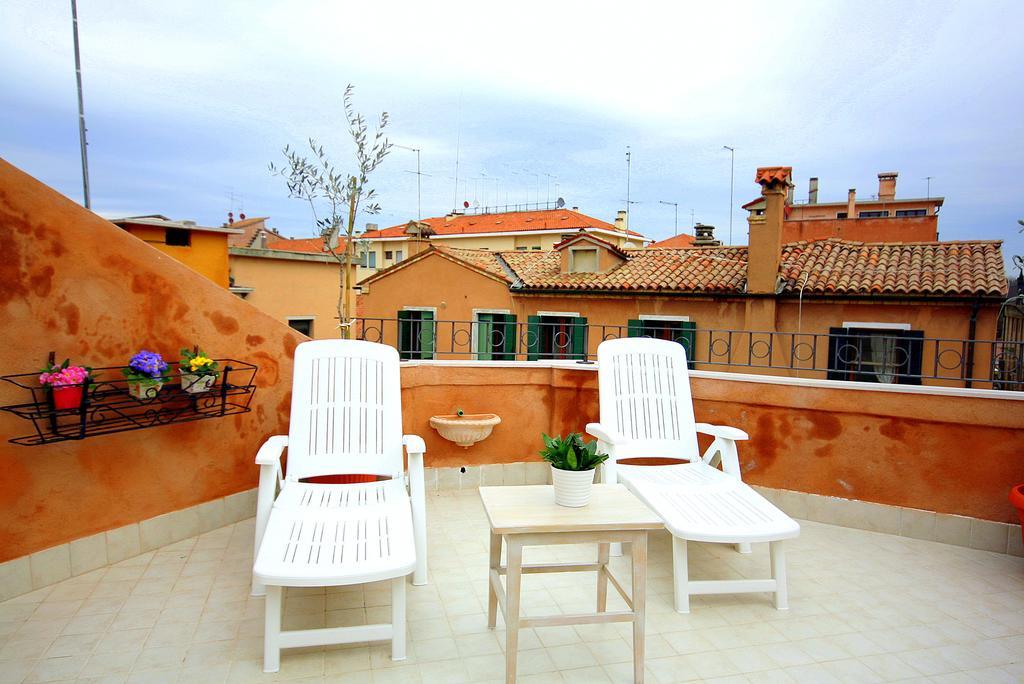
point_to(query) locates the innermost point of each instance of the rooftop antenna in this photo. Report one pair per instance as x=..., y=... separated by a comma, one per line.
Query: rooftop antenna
x=81, y=107
x=732, y=183
x=628, y=168
x=549, y=188
x=929, y=190
x=458, y=140
x=675, y=205
x=419, y=204
x=692, y=224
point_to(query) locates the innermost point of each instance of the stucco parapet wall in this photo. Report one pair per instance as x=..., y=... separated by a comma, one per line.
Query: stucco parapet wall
x=280, y=254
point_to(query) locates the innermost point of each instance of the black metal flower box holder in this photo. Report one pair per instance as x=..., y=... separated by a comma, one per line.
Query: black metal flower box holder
x=107, y=407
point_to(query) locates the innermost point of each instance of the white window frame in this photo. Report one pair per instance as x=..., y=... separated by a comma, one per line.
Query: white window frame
x=876, y=326
x=590, y=248
x=476, y=325
x=653, y=317
x=557, y=313
x=311, y=319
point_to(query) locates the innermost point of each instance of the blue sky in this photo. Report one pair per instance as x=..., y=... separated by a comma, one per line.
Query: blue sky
x=188, y=102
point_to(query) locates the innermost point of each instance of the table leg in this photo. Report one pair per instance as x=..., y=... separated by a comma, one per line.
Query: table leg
x=638, y=550
x=602, y=577
x=512, y=587
x=492, y=596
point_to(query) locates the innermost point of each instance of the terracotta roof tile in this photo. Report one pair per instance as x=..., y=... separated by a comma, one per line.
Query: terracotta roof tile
x=923, y=268
x=313, y=245
x=766, y=175
x=470, y=224
x=680, y=241
x=480, y=258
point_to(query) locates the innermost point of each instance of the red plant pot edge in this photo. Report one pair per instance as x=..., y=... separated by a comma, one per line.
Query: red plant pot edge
x=69, y=397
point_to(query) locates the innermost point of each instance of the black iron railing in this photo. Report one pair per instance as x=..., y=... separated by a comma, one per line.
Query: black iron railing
x=856, y=354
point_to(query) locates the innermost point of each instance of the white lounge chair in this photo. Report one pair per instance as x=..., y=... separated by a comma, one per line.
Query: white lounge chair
x=647, y=411
x=343, y=514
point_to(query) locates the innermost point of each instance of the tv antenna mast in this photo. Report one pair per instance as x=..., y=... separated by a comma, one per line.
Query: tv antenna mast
x=81, y=107
x=675, y=205
x=419, y=204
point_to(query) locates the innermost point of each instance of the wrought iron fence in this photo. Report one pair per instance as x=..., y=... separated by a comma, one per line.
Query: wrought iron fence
x=857, y=354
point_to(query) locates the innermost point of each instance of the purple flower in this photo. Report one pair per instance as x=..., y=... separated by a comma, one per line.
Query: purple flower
x=148, y=363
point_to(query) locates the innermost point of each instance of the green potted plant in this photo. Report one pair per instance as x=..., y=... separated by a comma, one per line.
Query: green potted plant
x=146, y=373
x=573, y=462
x=66, y=383
x=198, y=371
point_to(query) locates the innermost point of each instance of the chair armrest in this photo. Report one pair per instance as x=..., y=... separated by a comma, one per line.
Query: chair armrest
x=270, y=452
x=414, y=444
x=722, y=431
x=605, y=434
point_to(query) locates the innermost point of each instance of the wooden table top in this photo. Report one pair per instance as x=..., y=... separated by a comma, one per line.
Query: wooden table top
x=523, y=509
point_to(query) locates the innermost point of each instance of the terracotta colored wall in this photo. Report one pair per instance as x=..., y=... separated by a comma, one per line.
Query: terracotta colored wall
x=208, y=253
x=903, y=229
x=283, y=288
x=948, y=454
x=98, y=303
x=825, y=211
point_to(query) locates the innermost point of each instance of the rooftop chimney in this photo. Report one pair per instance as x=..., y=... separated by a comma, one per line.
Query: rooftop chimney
x=622, y=221
x=371, y=226
x=851, y=203
x=812, y=191
x=887, y=185
x=704, y=236
x=765, y=250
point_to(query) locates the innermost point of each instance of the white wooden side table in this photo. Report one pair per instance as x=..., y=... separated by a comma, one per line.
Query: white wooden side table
x=528, y=516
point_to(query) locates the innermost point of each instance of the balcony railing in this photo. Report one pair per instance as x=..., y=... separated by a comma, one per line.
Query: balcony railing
x=882, y=356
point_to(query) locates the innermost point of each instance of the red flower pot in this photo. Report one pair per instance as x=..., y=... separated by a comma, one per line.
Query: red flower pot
x=1017, y=499
x=69, y=397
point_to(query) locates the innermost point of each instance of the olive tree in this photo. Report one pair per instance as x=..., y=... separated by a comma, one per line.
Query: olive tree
x=336, y=197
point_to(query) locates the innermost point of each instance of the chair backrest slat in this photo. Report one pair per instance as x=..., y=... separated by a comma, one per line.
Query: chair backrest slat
x=346, y=410
x=645, y=396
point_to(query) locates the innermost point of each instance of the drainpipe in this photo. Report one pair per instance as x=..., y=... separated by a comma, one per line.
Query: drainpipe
x=972, y=332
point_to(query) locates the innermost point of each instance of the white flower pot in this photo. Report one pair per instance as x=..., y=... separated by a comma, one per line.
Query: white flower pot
x=572, y=487
x=144, y=390
x=194, y=384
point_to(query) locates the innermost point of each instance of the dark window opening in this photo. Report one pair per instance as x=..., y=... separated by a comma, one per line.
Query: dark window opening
x=556, y=337
x=841, y=215
x=388, y=255
x=873, y=355
x=416, y=334
x=177, y=237
x=873, y=214
x=496, y=337
x=302, y=325
x=901, y=213
x=683, y=332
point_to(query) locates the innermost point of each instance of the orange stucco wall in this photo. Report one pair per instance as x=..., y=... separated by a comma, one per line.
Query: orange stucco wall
x=72, y=283
x=901, y=229
x=949, y=454
x=456, y=291
x=208, y=253
x=286, y=288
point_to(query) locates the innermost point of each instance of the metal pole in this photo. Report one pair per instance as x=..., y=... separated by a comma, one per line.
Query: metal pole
x=81, y=107
x=929, y=193
x=419, y=196
x=732, y=183
x=675, y=205
x=628, y=164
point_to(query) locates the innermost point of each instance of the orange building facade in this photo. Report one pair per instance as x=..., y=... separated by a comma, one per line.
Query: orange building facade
x=204, y=249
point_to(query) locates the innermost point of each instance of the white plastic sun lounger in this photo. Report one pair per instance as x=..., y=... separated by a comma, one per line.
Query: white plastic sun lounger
x=647, y=411
x=343, y=514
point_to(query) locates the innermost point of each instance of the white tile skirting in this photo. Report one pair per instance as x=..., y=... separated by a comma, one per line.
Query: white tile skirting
x=37, y=570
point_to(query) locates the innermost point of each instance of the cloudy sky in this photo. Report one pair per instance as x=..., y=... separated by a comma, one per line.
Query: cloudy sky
x=187, y=103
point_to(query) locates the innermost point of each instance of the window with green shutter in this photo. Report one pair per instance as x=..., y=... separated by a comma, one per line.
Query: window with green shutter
x=682, y=332
x=496, y=337
x=556, y=337
x=416, y=333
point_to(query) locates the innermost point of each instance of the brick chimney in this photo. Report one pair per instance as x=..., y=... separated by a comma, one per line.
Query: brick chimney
x=704, y=236
x=887, y=185
x=851, y=203
x=765, y=250
x=812, y=191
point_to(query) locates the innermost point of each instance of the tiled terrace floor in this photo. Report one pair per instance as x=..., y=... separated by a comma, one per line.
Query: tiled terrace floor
x=865, y=607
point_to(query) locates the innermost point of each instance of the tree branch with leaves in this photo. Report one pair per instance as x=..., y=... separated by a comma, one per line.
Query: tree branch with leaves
x=335, y=197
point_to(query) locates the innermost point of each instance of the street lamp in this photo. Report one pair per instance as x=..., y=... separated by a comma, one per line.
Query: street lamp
x=419, y=207
x=732, y=182
x=676, y=206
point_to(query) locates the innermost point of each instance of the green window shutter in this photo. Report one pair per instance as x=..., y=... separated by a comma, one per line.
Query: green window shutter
x=635, y=328
x=688, y=338
x=428, y=330
x=484, y=330
x=508, y=342
x=579, y=338
x=532, y=338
